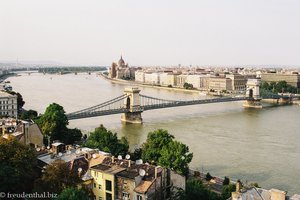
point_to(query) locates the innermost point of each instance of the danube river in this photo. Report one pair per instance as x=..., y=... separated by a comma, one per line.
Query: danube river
x=255, y=145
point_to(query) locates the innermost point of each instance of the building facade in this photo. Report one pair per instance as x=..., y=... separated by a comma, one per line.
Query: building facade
x=120, y=70
x=8, y=104
x=152, y=78
x=140, y=76
x=291, y=79
x=238, y=82
x=220, y=83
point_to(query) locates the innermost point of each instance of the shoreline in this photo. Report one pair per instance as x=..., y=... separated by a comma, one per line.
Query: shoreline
x=125, y=82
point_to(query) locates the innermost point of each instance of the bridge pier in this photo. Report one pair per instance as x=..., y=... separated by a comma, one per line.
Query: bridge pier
x=253, y=94
x=132, y=117
x=132, y=104
x=254, y=103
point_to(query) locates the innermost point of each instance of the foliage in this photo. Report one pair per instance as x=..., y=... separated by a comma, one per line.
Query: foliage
x=208, y=177
x=254, y=185
x=156, y=140
x=57, y=177
x=195, y=190
x=53, y=123
x=170, y=86
x=278, y=87
x=107, y=141
x=177, y=194
x=188, y=86
x=17, y=166
x=64, y=70
x=71, y=136
x=226, y=181
x=30, y=114
x=176, y=156
x=136, y=154
x=227, y=190
x=73, y=193
x=160, y=148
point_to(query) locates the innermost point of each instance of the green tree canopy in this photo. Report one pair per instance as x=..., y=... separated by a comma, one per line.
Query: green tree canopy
x=54, y=121
x=70, y=136
x=73, y=193
x=176, y=156
x=17, y=163
x=226, y=181
x=107, y=141
x=188, y=86
x=57, y=177
x=278, y=87
x=156, y=140
x=195, y=190
x=227, y=190
x=30, y=114
x=161, y=148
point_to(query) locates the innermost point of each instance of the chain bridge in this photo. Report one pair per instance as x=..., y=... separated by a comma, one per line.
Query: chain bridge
x=131, y=104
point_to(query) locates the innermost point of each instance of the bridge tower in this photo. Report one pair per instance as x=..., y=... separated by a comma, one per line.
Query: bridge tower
x=253, y=93
x=133, y=106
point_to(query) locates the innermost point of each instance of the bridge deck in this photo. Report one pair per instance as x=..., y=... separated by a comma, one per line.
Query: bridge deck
x=92, y=113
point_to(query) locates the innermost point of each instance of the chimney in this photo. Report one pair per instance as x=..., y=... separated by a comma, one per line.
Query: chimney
x=155, y=172
x=239, y=186
x=112, y=159
x=129, y=163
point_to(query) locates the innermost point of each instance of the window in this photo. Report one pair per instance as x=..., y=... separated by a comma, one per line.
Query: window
x=108, y=196
x=125, y=196
x=94, y=185
x=100, y=198
x=99, y=186
x=139, y=197
x=108, y=185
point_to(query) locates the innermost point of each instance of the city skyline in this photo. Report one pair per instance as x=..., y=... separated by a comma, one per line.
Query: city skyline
x=151, y=33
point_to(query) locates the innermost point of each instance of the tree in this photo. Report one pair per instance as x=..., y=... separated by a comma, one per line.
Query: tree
x=176, y=156
x=188, y=86
x=17, y=166
x=71, y=135
x=136, y=154
x=227, y=190
x=57, y=177
x=30, y=114
x=196, y=190
x=73, y=193
x=106, y=141
x=208, y=177
x=226, y=181
x=156, y=140
x=53, y=122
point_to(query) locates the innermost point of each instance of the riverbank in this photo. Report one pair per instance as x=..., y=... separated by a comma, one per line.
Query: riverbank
x=5, y=76
x=133, y=83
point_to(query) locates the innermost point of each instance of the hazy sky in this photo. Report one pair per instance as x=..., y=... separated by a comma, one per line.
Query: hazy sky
x=152, y=32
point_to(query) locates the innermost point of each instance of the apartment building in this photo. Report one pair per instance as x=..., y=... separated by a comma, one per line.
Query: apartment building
x=292, y=79
x=238, y=82
x=8, y=104
x=220, y=83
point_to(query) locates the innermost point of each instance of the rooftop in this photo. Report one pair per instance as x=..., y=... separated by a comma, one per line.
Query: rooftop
x=5, y=94
x=143, y=187
x=67, y=157
x=113, y=169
